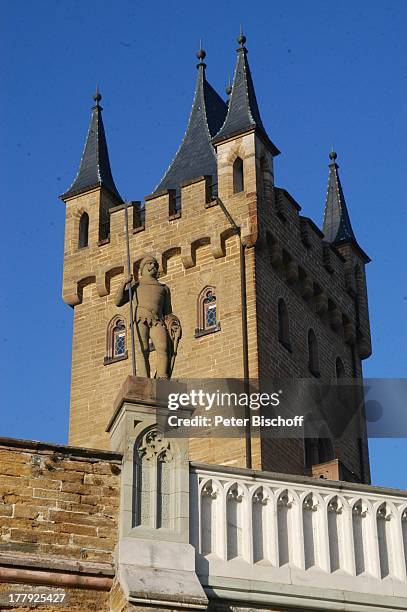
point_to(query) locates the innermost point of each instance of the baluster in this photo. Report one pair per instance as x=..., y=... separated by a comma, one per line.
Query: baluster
x=397, y=554
x=348, y=539
x=297, y=533
x=222, y=523
x=271, y=538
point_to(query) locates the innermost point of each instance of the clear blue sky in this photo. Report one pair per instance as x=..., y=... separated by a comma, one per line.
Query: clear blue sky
x=324, y=72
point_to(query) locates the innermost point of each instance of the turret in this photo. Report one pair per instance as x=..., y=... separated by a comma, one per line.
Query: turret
x=337, y=229
x=245, y=151
x=93, y=191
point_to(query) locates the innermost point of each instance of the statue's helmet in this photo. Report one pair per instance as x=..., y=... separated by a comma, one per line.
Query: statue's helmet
x=146, y=260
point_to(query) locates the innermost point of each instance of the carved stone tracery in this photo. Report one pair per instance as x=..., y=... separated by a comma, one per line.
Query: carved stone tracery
x=154, y=446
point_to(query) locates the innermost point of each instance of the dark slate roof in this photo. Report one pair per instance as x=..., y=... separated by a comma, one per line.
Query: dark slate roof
x=94, y=169
x=243, y=110
x=196, y=155
x=337, y=227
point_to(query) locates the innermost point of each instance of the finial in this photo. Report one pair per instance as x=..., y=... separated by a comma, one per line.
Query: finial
x=241, y=38
x=97, y=96
x=201, y=54
x=229, y=87
x=332, y=154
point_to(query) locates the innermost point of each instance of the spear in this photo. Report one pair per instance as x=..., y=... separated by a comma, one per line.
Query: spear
x=129, y=288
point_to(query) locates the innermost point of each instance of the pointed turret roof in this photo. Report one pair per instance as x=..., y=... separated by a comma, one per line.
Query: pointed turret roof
x=337, y=226
x=243, y=110
x=196, y=155
x=94, y=169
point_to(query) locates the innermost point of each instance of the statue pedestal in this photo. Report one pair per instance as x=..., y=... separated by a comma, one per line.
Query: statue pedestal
x=155, y=561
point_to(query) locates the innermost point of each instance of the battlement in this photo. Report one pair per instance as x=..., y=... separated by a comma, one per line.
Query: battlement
x=163, y=232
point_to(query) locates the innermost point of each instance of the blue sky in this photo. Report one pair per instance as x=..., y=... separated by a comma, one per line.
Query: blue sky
x=325, y=73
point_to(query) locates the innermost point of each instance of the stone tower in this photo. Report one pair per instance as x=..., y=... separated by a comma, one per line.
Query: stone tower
x=260, y=290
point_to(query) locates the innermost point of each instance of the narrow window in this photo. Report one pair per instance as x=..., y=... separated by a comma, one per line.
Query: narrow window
x=313, y=358
x=119, y=339
x=207, y=316
x=339, y=368
x=139, y=213
x=116, y=341
x=238, y=182
x=83, y=230
x=209, y=305
x=283, y=325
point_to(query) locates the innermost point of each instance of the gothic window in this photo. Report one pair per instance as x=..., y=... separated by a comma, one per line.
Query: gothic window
x=116, y=341
x=207, y=319
x=119, y=339
x=313, y=357
x=238, y=180
x=153, y=481
x=83, y=230
x=283, y=324
x=209, y=304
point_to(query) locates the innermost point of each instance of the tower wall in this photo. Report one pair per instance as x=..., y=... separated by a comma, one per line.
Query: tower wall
x=294, y=263
x=285, y=257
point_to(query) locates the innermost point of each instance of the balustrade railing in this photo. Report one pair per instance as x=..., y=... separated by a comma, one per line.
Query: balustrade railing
x=354, y=533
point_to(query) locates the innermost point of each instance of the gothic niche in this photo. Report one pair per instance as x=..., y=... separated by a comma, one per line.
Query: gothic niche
x=153, y=481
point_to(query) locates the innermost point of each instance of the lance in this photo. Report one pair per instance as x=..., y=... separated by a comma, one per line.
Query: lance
x=129, y=288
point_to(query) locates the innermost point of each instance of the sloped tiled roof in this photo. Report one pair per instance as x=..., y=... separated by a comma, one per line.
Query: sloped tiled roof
x=94, y=169
x=243, y=110
x=337, y=227
x=196, y=155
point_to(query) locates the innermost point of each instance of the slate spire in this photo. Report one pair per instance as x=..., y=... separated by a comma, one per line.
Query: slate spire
x=94, y=169
x=196, y=155
x=337, y=226
x=243, y=111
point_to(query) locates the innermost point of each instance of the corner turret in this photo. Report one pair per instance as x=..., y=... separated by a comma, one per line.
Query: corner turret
x=93, y=191
x=338, y=231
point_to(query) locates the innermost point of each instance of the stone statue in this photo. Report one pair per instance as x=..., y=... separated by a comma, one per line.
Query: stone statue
x=153, y=318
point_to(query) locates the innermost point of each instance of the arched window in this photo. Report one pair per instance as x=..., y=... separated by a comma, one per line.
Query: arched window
x=283, y=324
x=116, y=344
x=313, y=358
x=340, y=368
x=238, y=181
x=83, y=230
x=207, y=315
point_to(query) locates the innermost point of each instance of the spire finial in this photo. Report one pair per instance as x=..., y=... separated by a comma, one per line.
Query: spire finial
x=97, y=95
x=333, y=155
x=201, y=54
x=241, y=38
x=229, y=87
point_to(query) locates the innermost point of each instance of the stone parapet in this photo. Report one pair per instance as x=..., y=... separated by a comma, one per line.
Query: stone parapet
x=298, y=539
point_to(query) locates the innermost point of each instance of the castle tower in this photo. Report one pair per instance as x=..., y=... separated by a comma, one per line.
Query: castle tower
x=260, y=291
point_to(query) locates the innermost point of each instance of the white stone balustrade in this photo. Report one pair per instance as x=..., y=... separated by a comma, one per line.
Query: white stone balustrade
x=281, y=529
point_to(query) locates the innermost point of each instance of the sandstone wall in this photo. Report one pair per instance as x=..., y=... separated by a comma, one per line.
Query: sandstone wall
x=58, y=521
